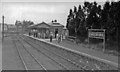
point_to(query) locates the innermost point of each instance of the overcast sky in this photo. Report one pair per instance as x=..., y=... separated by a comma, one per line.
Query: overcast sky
x=38, y=10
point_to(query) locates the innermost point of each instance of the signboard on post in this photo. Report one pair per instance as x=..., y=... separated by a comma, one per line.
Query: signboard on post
x=97, y=33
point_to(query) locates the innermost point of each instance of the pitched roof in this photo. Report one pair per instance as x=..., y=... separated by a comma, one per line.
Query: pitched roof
x=48, y=24
x=38, y=25
x=42, y=23
x=55, y=24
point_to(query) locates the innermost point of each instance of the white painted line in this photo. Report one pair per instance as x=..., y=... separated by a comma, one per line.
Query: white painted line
x=84, y=54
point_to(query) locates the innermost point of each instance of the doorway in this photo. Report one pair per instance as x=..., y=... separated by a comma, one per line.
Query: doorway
x=56, y=32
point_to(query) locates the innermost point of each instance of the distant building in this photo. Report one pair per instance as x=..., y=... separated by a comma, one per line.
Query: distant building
x=44, y=29
x=11, y=28
x=5, y=27
x=18, y=25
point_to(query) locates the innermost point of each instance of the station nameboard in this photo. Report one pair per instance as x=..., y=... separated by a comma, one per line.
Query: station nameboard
x=96, y=33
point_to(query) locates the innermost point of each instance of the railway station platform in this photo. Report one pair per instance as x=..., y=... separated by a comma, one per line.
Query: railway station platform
x=80, y=49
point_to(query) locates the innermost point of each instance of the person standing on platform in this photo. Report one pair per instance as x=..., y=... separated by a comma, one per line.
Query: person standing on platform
x=44, y=35
x=34, y=34
x=61, y=36
x=38, y=35
x=51, y=35
x=29, y=34
x=57, y=36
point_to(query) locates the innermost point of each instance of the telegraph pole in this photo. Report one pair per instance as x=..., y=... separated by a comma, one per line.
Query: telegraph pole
x=117, y=39
x=3, y=28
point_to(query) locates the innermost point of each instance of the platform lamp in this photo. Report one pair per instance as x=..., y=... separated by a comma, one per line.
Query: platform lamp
x=3, y=27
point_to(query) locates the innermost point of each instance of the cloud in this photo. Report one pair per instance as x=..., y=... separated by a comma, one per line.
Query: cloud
x=33, y=11
x=45, y=9
x=51, y=0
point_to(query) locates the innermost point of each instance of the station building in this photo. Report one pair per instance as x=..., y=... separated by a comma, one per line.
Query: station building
x=19, y=27
x=43, y=29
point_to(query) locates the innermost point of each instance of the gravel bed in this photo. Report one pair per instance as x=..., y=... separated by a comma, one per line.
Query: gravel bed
x=69, y=65
x=81, y=60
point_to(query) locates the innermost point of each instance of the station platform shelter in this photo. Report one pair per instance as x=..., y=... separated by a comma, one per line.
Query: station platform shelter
x=43, y=30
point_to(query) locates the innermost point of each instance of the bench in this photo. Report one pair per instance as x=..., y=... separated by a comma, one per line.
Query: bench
x=71, y=38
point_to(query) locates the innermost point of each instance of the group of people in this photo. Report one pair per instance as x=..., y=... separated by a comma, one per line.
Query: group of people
x=58, y=37
x=39, y=35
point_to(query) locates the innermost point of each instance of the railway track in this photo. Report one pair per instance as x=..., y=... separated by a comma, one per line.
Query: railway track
x=81, y=67
x=28, y=60
x=21, y=42
x=59, y=64
x=25, y=67
x=62, y=61
x=84, y=62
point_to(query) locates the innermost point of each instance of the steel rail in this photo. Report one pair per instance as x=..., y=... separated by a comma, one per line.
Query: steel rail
x=96, y=60
x=33, y=56
x=60, y=64
x=74, y=63
x=25, y=66
x=78, y=65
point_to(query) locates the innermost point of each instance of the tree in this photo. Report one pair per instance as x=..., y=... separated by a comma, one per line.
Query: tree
x=69, y=25
x=87, y=9
x=114, y=15
x=104, y=15
x=90, y=15
x=75, y=19
x=25, y=23
x=81, y=29
x=93, y=19
x=17, y=23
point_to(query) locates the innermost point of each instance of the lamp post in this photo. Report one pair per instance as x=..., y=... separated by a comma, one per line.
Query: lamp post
x=3, y=28
x=117, y=38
